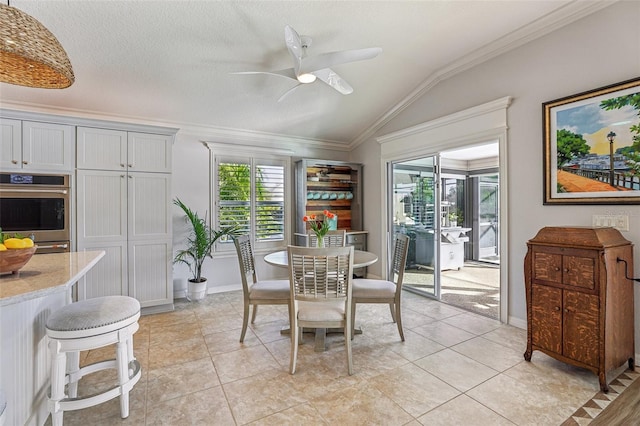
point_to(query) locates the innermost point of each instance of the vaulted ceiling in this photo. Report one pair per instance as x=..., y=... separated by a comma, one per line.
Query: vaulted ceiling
x=171, y=62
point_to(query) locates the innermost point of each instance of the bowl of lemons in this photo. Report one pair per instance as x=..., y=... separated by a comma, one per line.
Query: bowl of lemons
x=15, y=252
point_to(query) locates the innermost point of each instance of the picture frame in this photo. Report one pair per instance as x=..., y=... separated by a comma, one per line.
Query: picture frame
x=580, y=134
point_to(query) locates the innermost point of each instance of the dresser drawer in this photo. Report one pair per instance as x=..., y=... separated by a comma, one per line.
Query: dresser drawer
x=353, y=239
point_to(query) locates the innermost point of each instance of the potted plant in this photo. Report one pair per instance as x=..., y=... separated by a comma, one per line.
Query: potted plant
x=199, y=244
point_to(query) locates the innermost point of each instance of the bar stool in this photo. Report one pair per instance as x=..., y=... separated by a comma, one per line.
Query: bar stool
x=86, y=325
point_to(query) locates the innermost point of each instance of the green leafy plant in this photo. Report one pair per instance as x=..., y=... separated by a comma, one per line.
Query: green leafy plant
x=199, y=242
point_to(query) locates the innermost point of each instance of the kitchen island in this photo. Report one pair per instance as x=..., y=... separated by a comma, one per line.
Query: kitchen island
x=26, y=301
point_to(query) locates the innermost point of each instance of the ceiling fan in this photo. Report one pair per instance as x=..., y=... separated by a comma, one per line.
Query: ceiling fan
x=306, y=69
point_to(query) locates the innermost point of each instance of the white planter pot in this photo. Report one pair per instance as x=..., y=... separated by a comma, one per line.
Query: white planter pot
x=196, y=291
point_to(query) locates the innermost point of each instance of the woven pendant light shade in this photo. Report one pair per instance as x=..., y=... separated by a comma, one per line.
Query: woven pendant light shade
x=29, y=54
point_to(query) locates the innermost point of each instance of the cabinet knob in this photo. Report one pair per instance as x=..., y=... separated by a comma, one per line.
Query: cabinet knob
x=130, y=177
x=25, y=162
x=566, y=270
x=130, y=165
x=14, y=162
x=557, y=269
x=557, y=308
x=121, y=164
x=122, y=176
x=566, y=310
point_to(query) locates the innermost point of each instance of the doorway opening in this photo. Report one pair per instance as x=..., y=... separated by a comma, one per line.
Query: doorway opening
x=448, y=204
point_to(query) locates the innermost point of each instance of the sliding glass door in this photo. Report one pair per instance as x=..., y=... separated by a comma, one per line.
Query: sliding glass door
x=489, y=209
x=416, y=212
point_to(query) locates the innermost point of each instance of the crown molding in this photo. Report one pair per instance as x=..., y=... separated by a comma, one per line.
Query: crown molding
x=212, y=134
x=201, y=132
x=557, y=19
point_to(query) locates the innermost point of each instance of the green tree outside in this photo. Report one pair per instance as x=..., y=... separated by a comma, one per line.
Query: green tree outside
x=234, y=187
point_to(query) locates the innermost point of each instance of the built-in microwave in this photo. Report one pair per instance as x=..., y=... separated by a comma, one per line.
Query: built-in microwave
x=37, y=206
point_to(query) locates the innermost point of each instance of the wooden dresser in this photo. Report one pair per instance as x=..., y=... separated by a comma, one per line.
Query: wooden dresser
x=579, y=303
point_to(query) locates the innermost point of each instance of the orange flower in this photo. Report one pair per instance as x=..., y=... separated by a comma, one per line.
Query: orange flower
x=320, y=227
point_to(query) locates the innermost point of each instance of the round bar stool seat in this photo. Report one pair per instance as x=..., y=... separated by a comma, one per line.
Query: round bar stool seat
x=86, y=325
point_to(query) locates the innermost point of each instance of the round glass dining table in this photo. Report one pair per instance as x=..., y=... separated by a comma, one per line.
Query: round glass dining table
x=360, y=260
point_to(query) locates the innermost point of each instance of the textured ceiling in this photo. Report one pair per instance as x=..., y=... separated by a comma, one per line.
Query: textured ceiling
x=170, y=62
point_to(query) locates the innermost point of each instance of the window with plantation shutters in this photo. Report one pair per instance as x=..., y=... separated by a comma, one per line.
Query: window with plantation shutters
x=251, y=196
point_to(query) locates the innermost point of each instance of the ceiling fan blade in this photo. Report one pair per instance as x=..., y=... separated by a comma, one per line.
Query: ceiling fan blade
x=288, y=92
x=326, y=60
x=292, y=40
x=288, y=73
x=334, y=80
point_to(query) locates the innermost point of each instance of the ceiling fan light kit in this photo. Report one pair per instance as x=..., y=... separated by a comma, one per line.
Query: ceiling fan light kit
x=306, y=78
x=307, y=69
x=30, y=55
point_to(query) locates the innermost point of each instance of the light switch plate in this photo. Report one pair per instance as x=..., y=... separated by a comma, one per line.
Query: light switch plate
x=618, y=221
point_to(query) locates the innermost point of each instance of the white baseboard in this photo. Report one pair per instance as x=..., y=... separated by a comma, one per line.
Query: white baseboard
x=224, y=288
x=518, y=322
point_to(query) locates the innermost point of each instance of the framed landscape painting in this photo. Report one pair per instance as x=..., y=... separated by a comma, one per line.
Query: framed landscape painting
x=592, y=146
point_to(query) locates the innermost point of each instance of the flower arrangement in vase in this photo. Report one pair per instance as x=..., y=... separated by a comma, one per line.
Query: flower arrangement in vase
x=321, y=227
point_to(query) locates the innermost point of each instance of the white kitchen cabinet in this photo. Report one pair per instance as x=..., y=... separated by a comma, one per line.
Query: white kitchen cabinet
x=103, y=149
x=36, y=146
x=126, y=213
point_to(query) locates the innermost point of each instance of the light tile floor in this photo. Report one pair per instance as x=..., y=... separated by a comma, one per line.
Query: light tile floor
x=455, y=368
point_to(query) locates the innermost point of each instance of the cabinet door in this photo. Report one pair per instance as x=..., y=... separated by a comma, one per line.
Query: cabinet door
x=109, y=276
x=101, y=207
x=150, y=238
x=547, y=267
x=579, y=271
x=10, y=144
x=546, y=321
x=149, y=152
x=101, y=149
x=150, y=274
x=581, y=328
x=149, y=201
x=47, y=146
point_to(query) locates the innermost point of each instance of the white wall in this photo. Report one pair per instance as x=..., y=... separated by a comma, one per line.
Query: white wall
x=599, y=50
x=191, y=183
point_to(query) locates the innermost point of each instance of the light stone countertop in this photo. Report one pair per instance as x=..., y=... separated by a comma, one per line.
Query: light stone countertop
x=46, y=274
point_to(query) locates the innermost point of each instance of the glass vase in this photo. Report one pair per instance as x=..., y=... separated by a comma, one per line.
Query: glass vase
x=319, y=241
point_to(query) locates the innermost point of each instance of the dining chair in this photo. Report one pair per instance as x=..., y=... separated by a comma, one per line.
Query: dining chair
x=367, y=290
x=333, y=238
x=256, y=292
x=320, y=280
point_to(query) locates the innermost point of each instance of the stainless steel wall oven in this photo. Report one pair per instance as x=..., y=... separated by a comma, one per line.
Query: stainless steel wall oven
x=37, y=205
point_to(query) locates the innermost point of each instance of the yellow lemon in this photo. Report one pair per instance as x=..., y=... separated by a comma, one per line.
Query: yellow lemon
x=3, y=247
x=28, y=242
x=14, y=243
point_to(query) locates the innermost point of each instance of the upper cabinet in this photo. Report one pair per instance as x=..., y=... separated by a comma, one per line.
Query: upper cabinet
x=329, y=185
x=36, y=146
x=103, y=149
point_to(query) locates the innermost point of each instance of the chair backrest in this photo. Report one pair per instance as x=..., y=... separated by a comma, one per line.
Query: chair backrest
x=334, y=238
x=399, y=259
x=246, y=261
x=320, y=274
